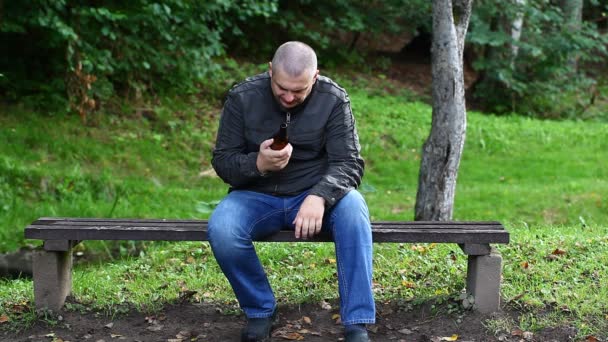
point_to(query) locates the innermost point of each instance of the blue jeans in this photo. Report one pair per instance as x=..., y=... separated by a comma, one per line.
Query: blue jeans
x=246, y=216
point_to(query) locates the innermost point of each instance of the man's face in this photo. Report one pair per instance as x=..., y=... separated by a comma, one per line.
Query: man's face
x=291, y=91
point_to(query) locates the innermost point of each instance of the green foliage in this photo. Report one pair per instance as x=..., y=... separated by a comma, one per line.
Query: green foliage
x=547, y=77
x=130, y=47
x=332, y=27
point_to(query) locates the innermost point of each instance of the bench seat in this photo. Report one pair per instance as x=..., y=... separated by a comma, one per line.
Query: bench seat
x=53, y=262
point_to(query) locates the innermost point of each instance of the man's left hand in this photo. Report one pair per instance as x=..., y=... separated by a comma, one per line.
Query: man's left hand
x=309, y=220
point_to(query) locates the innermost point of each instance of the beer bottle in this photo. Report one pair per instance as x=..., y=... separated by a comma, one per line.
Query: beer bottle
x=280, y=138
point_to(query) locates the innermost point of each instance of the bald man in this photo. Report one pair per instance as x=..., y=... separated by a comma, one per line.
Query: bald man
x=309, y=186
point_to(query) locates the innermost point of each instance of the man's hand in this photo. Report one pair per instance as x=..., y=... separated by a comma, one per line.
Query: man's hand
x=310, y=217
x=271, y=160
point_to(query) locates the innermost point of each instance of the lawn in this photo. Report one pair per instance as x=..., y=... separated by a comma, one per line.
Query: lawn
x=545, y=180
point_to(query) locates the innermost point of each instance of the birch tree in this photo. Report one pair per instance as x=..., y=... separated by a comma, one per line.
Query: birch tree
x=573, y=15
x=516, y=28
x=443, y=148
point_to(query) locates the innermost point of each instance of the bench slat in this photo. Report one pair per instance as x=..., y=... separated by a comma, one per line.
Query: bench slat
x=66, y=220
x=203, y=223
x=196, y=230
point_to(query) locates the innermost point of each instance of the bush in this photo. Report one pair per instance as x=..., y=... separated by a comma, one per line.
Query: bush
x=544, y=78
x=133, y=47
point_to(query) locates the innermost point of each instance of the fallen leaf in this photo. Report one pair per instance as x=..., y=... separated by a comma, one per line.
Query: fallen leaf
x=109, y=325
x=451, y=338
x=397, y=210
x=405, y=331
x=517, y=332
x=208, y=173
x=287, y=333
x=4, y=319
x=335, y=316
x=115, y=335
x=294, y=336
x=157, y=327
x=525, y=265
x=591, y=338
x=528, y=335
x=184, y=334
x=19, y=308
x=330, y=261
x=418, y=248
x=307, y=320
x=325, y=305
x=558, y=251
x=408, y=284
x=186, y=295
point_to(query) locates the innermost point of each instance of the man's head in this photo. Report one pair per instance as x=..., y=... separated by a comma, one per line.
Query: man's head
x=293, y=72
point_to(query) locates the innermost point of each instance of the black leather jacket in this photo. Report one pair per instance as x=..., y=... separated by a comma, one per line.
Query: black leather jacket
x=326, y=152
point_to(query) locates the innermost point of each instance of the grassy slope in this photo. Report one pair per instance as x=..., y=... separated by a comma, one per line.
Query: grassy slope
x=544, y=180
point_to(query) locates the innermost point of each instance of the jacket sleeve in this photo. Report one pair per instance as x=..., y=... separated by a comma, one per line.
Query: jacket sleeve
x=345, y=165
x=231, y=161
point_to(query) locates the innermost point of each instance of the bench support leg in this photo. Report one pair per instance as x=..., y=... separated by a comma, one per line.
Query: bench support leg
x=483, y=281
x=52, y=278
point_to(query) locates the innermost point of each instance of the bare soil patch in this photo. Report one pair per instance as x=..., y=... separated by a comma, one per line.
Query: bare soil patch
x=400, y=322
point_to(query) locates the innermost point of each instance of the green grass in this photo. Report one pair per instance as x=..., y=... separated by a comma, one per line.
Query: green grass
x=545, y=180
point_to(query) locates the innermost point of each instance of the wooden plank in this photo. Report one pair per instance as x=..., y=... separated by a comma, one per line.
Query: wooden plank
x=120, y=221
x=203, y=223
x=283, y=236
x=195, y=230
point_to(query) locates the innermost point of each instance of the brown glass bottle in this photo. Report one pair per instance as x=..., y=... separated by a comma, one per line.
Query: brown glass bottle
x=280, y=138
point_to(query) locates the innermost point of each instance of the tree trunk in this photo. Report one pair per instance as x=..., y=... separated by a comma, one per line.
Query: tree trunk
x=443, y=147
x=516, y=27
x=573, y=14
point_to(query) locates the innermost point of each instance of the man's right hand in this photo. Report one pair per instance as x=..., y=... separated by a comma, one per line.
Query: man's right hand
x=270, y=160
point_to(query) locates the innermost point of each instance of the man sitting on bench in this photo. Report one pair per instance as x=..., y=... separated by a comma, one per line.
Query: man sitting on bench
x=308, y=185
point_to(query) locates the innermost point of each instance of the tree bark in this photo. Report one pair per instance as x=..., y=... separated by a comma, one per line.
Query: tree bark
x=443, y=147
x=516, y=28
x=573, y=14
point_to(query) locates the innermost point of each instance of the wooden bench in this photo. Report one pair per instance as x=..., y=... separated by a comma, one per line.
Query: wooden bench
x=52, y=263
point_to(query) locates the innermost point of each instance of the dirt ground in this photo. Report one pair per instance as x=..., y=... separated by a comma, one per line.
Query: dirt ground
x=310, y=322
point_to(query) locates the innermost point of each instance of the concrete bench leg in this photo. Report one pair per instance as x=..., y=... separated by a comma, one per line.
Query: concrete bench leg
x=52, y=278
x=483, y=281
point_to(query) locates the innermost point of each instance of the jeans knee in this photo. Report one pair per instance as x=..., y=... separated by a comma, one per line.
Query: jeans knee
x=223, y=233
x=351, y=206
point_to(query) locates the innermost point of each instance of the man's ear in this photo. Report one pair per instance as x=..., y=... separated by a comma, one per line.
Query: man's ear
x=270, y=68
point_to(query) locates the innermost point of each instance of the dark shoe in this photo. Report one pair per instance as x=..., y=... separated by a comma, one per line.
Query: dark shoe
x=258, y=329
x=356, y=336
